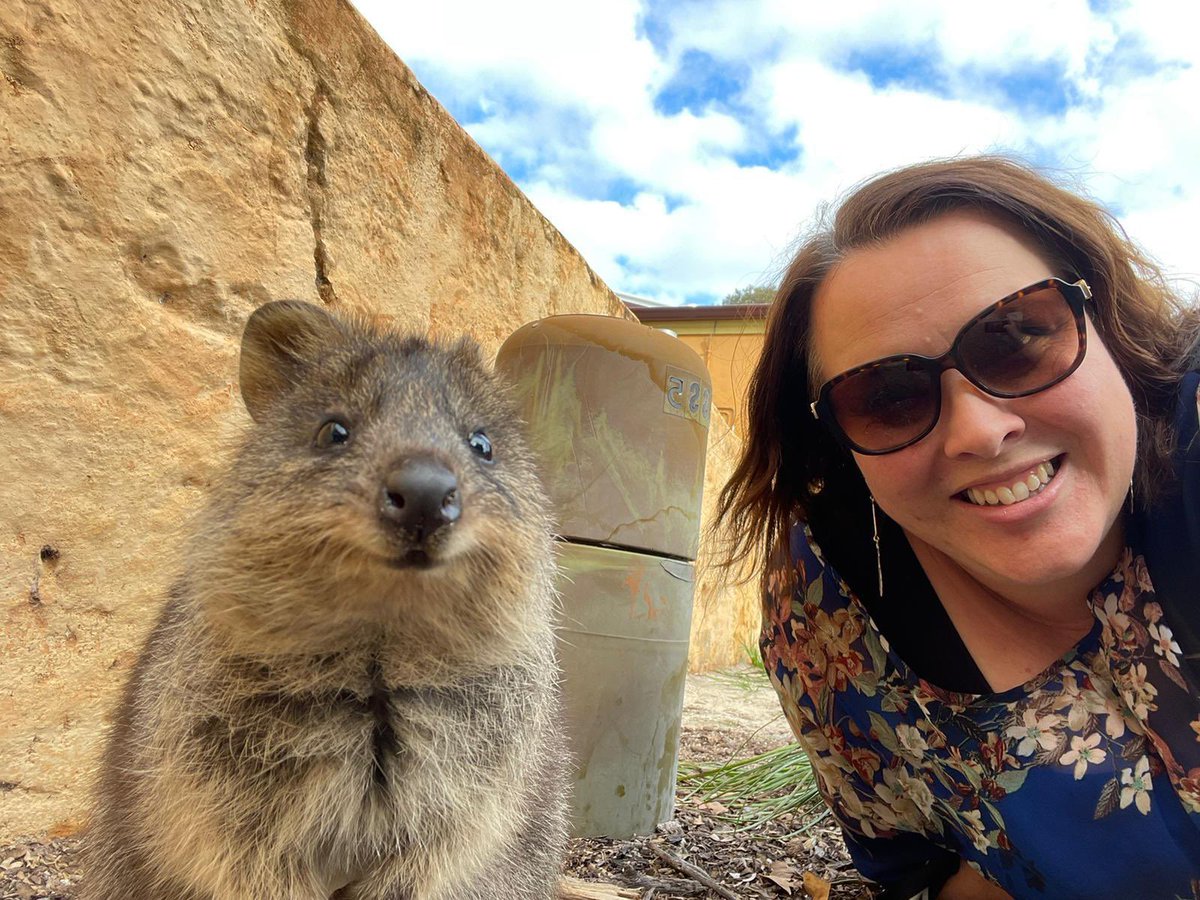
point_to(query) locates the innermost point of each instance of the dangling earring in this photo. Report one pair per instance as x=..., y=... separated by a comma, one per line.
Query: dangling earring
x=878, y=555
x=1131, y=496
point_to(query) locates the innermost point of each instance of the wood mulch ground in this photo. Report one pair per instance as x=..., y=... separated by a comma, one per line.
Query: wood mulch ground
x=698, y=854
x=769, y=861
x=37, y=871
x=727, y=715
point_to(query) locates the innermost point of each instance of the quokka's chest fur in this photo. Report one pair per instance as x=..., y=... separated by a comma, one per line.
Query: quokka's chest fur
x=385, y=751
x=342, y=771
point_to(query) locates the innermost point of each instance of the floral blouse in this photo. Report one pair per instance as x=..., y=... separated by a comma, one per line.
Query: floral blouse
x=1083, y=782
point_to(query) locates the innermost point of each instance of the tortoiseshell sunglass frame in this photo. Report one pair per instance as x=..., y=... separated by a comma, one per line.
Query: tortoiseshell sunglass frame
x=1076, y=294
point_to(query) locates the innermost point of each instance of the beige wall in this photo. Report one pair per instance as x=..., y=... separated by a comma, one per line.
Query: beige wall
x=165, y=167
x=728, y=614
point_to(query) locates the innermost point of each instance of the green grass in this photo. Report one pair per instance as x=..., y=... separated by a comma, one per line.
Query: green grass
x=753, y=655
x=749, y=674
x=744, y=678
x=759, y=788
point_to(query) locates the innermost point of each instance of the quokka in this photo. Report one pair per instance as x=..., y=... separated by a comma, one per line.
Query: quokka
x=351, y=692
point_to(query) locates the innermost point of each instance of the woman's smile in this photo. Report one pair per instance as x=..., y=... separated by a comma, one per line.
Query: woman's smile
x=1010, y=489
x=1027, y=513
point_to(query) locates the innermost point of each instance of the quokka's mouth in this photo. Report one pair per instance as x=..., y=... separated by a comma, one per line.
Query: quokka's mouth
x=413, y=559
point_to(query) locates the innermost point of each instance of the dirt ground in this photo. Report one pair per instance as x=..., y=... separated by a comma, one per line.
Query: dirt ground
x=699, y=854
x=737, y=702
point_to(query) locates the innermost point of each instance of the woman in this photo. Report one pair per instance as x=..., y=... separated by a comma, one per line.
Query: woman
x=963, y=436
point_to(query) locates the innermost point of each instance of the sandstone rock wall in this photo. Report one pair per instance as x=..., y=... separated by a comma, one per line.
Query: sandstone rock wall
x=165, y=167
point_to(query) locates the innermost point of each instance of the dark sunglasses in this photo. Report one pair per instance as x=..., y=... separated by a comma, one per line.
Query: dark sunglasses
x=1025, y=343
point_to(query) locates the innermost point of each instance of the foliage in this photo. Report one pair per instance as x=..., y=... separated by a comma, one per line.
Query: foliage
x=753, y=654
x=751, y=294
x=759, y=788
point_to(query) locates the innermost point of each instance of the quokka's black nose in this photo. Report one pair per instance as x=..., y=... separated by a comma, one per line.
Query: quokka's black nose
x=421, y=496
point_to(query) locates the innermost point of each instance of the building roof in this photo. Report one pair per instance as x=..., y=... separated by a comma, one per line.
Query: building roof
x=649, y=314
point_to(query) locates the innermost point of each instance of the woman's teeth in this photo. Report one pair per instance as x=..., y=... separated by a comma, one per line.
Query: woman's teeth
x=1014, y=493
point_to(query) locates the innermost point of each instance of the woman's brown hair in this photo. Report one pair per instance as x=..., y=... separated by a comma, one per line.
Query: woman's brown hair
x=792, y=468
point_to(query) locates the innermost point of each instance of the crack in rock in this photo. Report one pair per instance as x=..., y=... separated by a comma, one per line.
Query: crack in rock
x=316, y=149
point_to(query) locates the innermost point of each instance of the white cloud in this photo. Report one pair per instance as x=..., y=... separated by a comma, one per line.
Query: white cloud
x=1167, y=28
x=1138, y=145
x=1167, y=232
x=963, y=33
x=576, y=52
x=850, y=129
x=733, y=235
x=563, y=95
x=1143, y=128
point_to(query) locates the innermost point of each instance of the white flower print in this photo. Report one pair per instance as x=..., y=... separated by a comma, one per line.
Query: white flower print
x=1082, y=752
x=973, y=820
x=1080, y=702
x=1164, y=643
x=849, y=797
x=911, y=739
x=1117, y=620
x=1137, y=786
x=1035, y=732
x=918, y=792
x=883, y=814
x=1141, y=693
x=903, y=810
x=1114, y=722
x=908, y=797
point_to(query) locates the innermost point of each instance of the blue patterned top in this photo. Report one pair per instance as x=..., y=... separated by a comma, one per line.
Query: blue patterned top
x=1083, y=782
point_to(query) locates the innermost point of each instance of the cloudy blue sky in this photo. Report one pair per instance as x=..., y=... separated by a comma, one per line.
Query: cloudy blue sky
x=683, y=145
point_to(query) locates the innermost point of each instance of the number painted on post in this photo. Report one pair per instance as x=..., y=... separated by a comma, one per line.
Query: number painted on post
x=687, y=396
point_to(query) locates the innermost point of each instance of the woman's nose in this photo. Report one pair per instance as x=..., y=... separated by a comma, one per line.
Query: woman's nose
x=973, y=423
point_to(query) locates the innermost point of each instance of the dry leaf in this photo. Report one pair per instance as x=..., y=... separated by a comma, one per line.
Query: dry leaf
x=784, y=875
x=817, y=887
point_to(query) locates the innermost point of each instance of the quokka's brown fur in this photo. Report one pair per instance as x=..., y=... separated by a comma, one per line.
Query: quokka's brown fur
x=332, y=706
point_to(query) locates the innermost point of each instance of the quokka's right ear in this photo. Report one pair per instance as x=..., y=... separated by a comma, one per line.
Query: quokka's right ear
x=281, y=339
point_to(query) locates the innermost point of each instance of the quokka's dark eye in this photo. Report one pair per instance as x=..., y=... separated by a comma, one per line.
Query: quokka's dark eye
x=331, y=434
x=479, y=442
